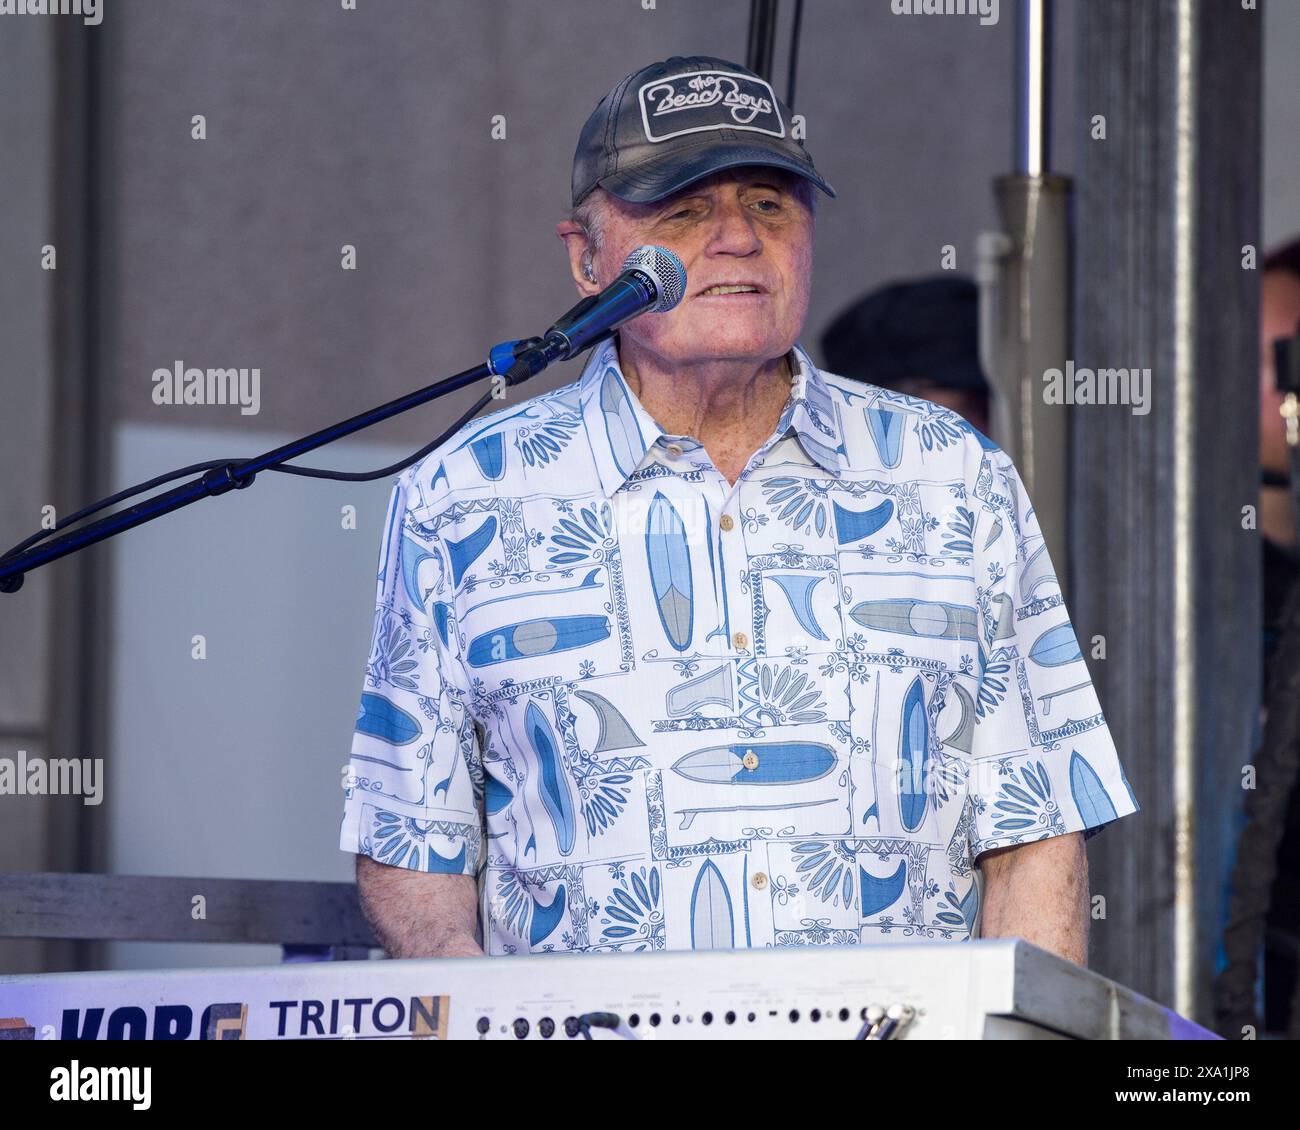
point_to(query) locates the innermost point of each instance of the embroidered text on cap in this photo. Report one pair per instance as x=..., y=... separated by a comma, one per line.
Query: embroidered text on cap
x=704, y=100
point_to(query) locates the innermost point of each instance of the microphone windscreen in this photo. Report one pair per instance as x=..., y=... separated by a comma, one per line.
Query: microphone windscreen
x=665, y=269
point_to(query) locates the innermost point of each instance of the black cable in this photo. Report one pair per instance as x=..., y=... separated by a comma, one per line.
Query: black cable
x=282, y=468
x=363, y=476
x=794, y=53
x=762, y=37
x=94, y=508
x=589, y=1020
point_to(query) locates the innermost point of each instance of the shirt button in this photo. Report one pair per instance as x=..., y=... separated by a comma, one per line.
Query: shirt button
x=674, y=449
x=727, y=522
x=750, y=760
x=740, y=640
x=759, y=880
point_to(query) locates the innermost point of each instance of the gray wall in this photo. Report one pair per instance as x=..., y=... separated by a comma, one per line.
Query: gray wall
x=26, y=426
x=231, y=766
x=1281, y=190
x=372, y=127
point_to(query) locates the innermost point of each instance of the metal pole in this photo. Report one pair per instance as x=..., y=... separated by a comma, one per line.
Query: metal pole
x=1027, y=306
x=1032, y=155
x=1185, y=236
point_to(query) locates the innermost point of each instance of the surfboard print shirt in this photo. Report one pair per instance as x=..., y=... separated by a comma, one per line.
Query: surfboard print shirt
x=651, y=710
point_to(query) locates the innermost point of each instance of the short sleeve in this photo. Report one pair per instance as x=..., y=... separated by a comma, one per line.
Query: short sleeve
x=1043, y=762
x=413, y=796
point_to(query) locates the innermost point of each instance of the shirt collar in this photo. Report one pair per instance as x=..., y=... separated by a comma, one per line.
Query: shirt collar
x=621, y=431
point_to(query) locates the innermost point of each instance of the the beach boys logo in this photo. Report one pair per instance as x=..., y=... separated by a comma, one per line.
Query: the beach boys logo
x=704, y=100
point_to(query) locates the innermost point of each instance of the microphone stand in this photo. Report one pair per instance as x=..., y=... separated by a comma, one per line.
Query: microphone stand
x=503, y=363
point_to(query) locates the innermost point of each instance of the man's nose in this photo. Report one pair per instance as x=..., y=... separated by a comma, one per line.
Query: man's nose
x=734, y=232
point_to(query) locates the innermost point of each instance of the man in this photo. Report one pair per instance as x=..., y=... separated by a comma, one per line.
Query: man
x=711, y=649
x=1279, y=318
x=920, y=337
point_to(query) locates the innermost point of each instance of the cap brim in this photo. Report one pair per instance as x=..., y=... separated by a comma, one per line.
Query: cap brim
x=653, y=180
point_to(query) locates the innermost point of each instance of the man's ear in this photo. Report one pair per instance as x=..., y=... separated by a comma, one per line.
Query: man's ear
x=579, y=250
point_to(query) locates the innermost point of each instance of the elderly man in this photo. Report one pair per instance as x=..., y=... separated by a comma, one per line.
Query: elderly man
x=711, y=649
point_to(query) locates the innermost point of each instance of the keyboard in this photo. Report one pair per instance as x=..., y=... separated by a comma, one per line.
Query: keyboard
x=981, y=989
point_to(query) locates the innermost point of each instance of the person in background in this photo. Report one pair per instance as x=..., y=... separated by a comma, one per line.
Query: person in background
x=920, y=338
x=1279, y=317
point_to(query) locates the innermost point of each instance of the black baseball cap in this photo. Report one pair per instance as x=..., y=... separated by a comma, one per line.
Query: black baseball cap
x=674, y=122
x=924, y=328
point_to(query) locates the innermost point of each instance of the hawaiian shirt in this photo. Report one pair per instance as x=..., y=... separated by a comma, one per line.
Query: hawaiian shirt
x=652, y=710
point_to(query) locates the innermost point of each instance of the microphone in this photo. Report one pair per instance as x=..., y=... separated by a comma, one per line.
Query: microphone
x=652, y=281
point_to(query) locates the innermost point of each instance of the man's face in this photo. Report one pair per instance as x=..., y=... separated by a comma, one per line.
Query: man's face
x=1279, y=315
x=742, y=226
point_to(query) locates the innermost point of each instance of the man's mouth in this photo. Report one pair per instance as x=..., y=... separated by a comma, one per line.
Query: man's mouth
x=730, y=288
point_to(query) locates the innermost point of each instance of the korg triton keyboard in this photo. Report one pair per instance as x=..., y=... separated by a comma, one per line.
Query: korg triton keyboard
x=988, y=989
